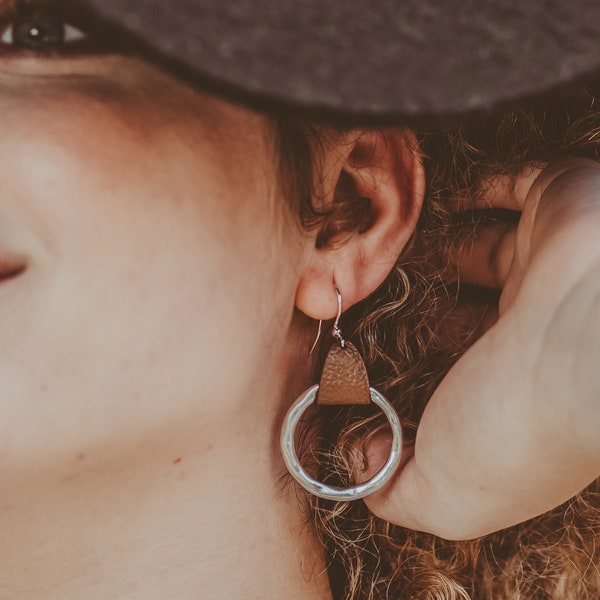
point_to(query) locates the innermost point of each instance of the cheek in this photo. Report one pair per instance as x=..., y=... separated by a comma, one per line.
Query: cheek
x=156, y=271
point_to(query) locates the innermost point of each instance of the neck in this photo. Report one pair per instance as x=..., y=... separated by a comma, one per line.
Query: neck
x=162, y=520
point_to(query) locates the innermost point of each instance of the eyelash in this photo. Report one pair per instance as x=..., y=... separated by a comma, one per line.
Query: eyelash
x=74, y=35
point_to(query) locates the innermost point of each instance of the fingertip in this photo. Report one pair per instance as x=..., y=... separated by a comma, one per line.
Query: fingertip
x=390, y=502
x=376, y=450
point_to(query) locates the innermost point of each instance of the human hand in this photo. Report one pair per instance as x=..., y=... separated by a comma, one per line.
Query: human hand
x=512, y=431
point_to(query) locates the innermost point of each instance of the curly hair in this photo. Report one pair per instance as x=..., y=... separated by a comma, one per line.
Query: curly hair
x=410, y=332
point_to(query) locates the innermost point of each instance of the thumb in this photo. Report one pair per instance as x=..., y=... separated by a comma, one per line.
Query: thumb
x=411, y=500
x=397, y=501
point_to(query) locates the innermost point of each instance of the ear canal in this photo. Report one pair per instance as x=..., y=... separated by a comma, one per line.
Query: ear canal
x=350, y=213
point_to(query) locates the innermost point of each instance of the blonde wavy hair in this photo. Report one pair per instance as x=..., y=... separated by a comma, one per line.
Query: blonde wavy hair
x=410, y=332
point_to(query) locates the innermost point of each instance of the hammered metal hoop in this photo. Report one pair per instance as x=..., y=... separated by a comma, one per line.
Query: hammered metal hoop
x=322, y=490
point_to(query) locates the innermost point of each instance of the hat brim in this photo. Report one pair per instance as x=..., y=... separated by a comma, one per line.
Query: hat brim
x=385, y=59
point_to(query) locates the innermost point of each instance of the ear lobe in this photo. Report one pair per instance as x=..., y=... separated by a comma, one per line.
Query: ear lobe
x=371, y=213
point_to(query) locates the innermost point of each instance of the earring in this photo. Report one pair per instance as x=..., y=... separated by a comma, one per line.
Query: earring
x=344, y=381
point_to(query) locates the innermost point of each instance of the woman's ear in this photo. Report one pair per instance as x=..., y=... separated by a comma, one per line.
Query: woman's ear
x=371, y=192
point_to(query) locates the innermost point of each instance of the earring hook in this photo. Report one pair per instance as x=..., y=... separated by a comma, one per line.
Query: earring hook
x=336, y=332
x=316, y=339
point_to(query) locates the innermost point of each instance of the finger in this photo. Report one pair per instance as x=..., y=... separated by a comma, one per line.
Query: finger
x=410, y=502
x=399, y=502
x=376, y=450
x=486, y=256
x=475, y=312
x=509, y=192
x=388, y=504
x=501, y=192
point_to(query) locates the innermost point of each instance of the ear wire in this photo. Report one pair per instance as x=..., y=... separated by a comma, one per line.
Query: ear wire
x=336, y=332
x=316, y=339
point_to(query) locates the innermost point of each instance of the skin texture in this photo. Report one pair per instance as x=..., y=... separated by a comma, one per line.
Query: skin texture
x=123, y=333
x=152, y=339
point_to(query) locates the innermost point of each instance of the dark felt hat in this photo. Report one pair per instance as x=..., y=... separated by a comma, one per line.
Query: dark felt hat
x=371, y=59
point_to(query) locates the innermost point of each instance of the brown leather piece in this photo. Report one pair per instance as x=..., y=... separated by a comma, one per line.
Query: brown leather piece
x=344, y=379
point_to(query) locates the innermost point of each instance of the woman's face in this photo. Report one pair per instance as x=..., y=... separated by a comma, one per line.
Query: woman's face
x=157, y=261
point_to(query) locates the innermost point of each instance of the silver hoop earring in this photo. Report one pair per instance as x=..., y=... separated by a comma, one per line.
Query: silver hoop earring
x=344, y=381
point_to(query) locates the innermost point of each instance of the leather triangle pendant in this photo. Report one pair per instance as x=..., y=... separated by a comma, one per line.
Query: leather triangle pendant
x=344, y=379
